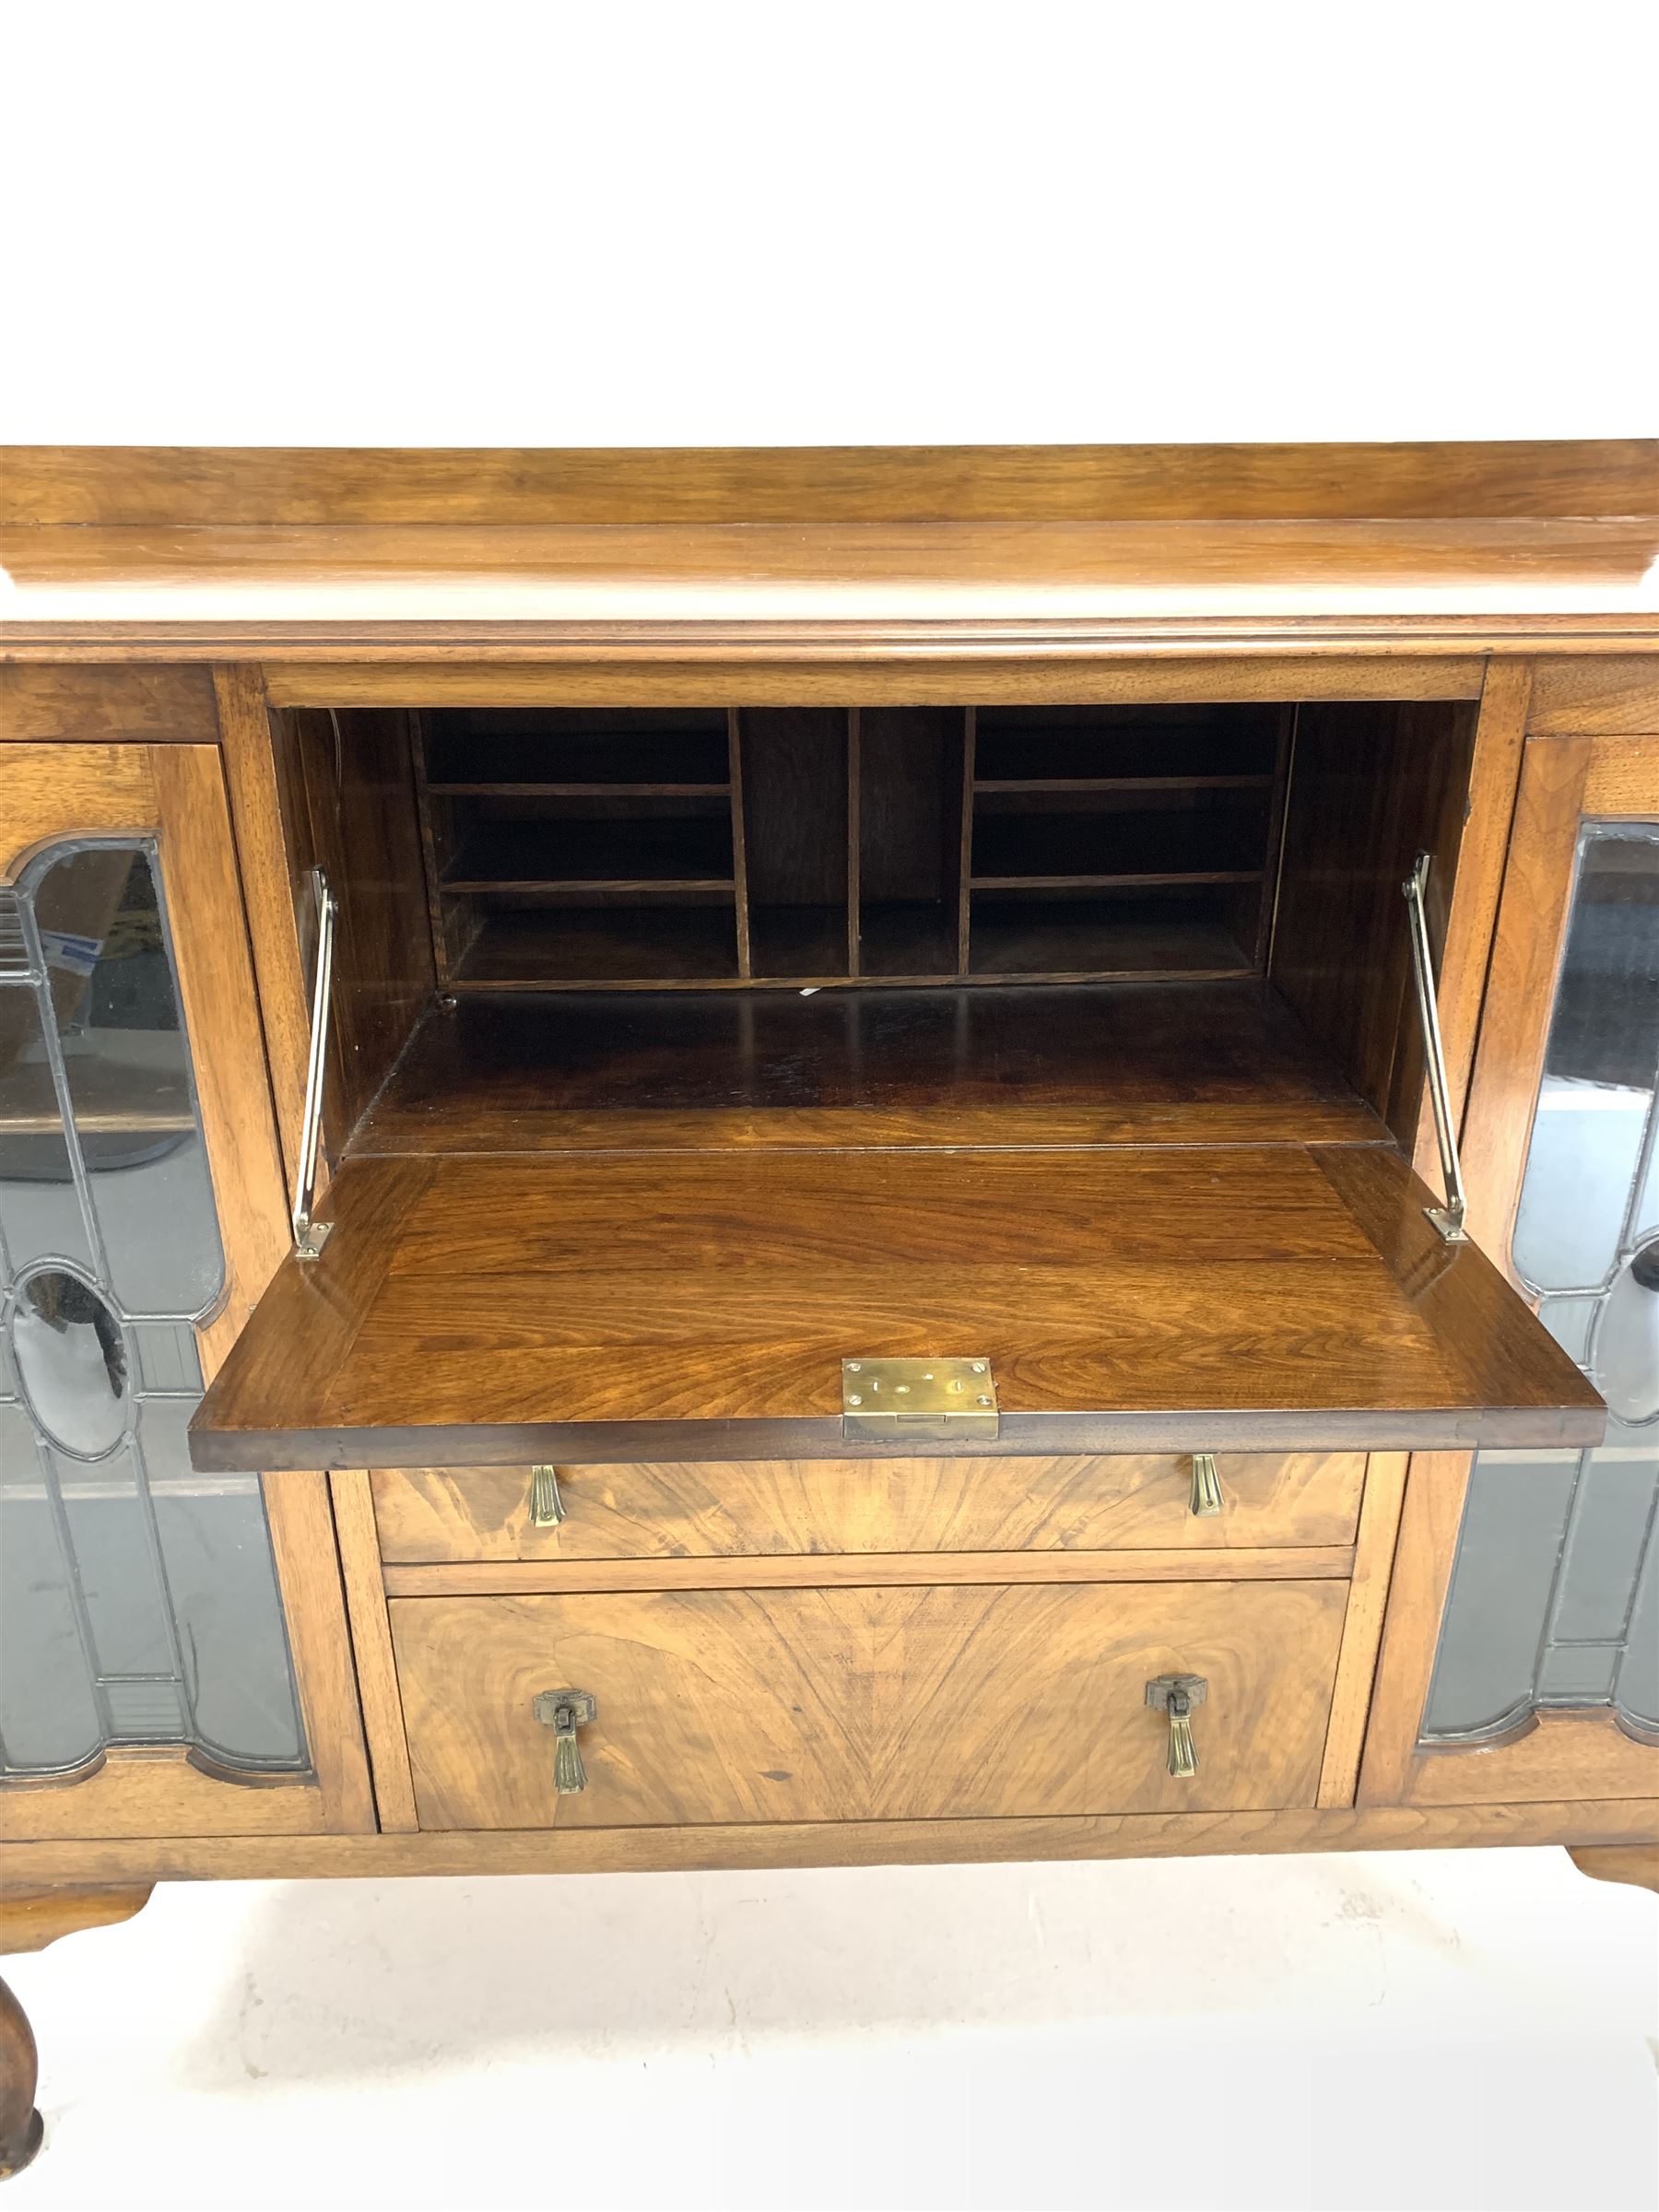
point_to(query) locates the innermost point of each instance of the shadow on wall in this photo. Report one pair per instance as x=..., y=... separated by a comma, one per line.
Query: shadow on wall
x=355, y=1980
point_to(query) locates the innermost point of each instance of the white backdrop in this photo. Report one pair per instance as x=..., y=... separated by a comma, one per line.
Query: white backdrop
x=341, y=222
x=698, y=224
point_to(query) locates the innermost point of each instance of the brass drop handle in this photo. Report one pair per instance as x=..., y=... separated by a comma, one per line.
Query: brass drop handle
x=565, y=1710
x=1176, y=1695
x=547, y=1507
x=1206, y=1485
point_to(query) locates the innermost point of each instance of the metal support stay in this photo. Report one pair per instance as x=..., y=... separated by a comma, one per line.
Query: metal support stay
x=1447, y=1218
x=311, y=1236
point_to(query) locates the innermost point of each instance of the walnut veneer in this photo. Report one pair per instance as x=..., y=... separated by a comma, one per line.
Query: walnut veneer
x=806, y=905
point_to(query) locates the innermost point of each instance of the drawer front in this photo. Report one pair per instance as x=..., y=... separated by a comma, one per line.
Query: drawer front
x=865, y=1704
x=799, y=1508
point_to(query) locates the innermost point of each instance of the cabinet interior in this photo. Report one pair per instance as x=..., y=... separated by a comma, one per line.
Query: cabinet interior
x=671, y=850
x=605, y=1216
x=702, y=874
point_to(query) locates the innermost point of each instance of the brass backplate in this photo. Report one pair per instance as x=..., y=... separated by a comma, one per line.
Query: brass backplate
x=924, y=1401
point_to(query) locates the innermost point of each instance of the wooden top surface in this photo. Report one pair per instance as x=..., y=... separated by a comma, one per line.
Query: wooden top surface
x=318, y=552
x=475, y=1310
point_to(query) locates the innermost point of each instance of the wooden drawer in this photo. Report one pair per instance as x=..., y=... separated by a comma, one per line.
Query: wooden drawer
x=860, y=1705
x=799, y=1508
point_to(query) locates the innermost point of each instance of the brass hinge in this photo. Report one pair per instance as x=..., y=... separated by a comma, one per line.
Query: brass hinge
x=919, y=1401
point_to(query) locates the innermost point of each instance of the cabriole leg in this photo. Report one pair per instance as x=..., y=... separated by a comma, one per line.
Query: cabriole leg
x=29, y=1920
x=20, y=2121
x=1637, y=1863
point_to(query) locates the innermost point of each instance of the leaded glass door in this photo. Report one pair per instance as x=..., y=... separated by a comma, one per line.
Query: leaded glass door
x=1544, y=1674
x=167, y=1639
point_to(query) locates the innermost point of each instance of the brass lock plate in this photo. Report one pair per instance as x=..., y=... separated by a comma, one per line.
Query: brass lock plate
x=921, y=1401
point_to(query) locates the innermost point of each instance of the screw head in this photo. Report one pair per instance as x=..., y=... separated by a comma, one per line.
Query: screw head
x=853, y=1398
x=984, y=1401
x=854, y=1367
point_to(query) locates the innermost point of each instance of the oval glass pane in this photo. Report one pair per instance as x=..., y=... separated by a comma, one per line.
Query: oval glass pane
x=72, y=1362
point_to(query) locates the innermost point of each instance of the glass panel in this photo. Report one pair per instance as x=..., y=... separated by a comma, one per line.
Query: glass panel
x=1600, y=1069
x=1604, y=1549
x=1555, y=1594
x=1514, y=1524
x=1570, y=1321
x=138, y=1601
x=49, y=1710
x=1577, y=1674
x=40, y=1215
x=105, y=1514
x=128, y=1074
x=217, y=1553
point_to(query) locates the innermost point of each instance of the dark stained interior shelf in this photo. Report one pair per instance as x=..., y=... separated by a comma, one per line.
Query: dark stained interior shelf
x=595, y=790
x=594, y=948
x=1168, y=1062
x=536, y=749
x=687, y=851
x=1153, y=845
x=1111, y=935
x=1124, y=743
x=1076, y=784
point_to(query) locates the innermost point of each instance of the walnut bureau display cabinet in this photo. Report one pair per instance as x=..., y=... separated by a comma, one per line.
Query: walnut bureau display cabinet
x=821, y=1157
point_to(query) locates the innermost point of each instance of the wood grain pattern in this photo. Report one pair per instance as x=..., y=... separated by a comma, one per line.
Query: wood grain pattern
x=837, y=1843
x=52, y=791
x=1362, y=1627
x=387, y=1132
x=1527, y=953
x=870, y=1704
x=1576, y=696
x=362, y=828
x=145, y=1790
x=1567, y=1754
x=1478, y=863
x=373, y=1662
x=1099, y=1063
x=1371, y=789
x=1624, y=776
x=253, y=484
x=314, y=1606
x=30, y=1919
x=1430, y=1518
x=221, y=1018
x=798, y=1509
x=473, y=1311
x=740, y=893
x=866, y=1570
x=106, y=706
x=271, y=880
x=1103, y=667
